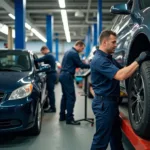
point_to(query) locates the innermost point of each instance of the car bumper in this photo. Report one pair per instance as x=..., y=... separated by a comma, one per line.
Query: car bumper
x=17, y=115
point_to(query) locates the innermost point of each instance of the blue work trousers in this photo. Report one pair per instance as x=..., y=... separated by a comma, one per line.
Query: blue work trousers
x=107, y=124
x=51, y=80
x=68, y=98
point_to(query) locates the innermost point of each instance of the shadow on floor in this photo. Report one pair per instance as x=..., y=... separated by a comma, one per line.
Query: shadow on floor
x=12, y=139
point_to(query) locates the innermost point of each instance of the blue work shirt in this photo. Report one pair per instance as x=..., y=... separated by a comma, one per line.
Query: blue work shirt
x=71, y=61
x=103, y=70
x=48, y=59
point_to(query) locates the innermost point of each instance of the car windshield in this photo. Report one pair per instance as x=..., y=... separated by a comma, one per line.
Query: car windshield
x=13, y=60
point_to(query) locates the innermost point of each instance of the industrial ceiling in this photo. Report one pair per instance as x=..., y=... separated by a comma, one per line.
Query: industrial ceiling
x=36, y=11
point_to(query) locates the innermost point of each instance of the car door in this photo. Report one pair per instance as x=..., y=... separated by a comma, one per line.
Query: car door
x=41, y=80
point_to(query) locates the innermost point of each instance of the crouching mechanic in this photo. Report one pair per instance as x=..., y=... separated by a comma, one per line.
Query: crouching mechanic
x=105, y=76
x=51, y=77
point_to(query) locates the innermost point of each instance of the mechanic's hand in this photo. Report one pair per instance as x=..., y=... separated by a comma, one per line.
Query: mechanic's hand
x=142, y=57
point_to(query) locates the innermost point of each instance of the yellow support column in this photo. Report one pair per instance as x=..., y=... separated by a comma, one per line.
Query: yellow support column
x=10, y=39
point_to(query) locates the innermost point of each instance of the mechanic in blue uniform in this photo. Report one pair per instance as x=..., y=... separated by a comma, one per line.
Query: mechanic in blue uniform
x=105, y=76
x=71, y=61
x=48, y=58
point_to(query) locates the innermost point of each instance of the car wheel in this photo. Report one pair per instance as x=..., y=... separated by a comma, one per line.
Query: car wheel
x=139, y=100
x=36, y=129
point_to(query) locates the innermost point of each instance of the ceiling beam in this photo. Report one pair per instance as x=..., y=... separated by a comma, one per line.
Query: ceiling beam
x=43, y=22
x=45, y=11
x=70, y=17
x=62, y=38
x=3, y=12
x=68, y=4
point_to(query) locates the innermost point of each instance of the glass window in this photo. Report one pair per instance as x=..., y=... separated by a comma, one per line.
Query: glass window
x=37, y=65
x=13, y=60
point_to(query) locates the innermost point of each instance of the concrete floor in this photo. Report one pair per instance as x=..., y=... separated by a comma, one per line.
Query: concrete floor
x=56, y=135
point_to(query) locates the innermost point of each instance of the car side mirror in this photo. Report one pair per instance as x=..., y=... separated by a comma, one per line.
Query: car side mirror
x=120, y=9
x=44, y=68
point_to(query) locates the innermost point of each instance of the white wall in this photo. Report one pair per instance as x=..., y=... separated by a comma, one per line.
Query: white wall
x=35, y=46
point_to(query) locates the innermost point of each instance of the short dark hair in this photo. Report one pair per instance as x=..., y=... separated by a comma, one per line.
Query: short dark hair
x=106, y=34
x=79, y=42
x=43, y=48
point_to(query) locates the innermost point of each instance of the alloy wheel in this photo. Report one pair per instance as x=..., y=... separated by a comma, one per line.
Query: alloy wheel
x=137, y=98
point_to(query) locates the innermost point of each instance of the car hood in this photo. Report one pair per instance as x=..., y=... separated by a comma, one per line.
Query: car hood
x=10, y=81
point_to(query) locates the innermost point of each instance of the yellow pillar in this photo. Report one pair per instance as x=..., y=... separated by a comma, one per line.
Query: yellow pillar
x=10, y=39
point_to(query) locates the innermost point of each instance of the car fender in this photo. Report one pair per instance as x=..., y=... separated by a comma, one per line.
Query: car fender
x=135, y=33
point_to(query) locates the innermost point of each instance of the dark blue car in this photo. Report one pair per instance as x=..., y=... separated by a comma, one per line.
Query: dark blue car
x=132, y=26
x=22, y=91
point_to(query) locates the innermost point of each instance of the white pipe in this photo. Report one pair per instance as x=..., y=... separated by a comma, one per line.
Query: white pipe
x=87, y=14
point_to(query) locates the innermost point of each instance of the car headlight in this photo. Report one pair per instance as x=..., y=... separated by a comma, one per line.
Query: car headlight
x=21, y=92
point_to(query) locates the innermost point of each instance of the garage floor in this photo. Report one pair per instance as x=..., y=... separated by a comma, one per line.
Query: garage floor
x=56, y=135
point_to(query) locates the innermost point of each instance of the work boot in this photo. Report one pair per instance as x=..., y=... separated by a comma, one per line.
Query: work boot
x=62, y=118
x=50, y=110
x=73, y=122
x=46, y=108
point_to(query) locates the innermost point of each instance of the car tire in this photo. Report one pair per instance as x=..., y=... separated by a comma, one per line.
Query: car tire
x=36, y=129
x=139, y=100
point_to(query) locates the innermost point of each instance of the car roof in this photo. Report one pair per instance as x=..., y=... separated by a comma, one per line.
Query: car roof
x=17, y=50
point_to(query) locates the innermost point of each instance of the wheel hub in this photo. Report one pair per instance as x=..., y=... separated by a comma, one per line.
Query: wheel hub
x=138, y=98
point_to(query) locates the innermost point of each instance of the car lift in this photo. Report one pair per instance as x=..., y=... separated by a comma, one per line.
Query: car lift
x=137, y=142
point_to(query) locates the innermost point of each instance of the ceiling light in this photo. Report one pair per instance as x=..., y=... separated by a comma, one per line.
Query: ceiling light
x=11, y=16
x=65, y=24
x=27, y=26
x=61, y=3
x=79, y=13
x=38, y=35
x=31, y=34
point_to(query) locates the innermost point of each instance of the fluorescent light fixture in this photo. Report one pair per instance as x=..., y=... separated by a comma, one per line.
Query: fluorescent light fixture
x=38, y=35
x=11, y=16
x=65, y=24
x=27, y=26
x=61, y=3
x=79, y=14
